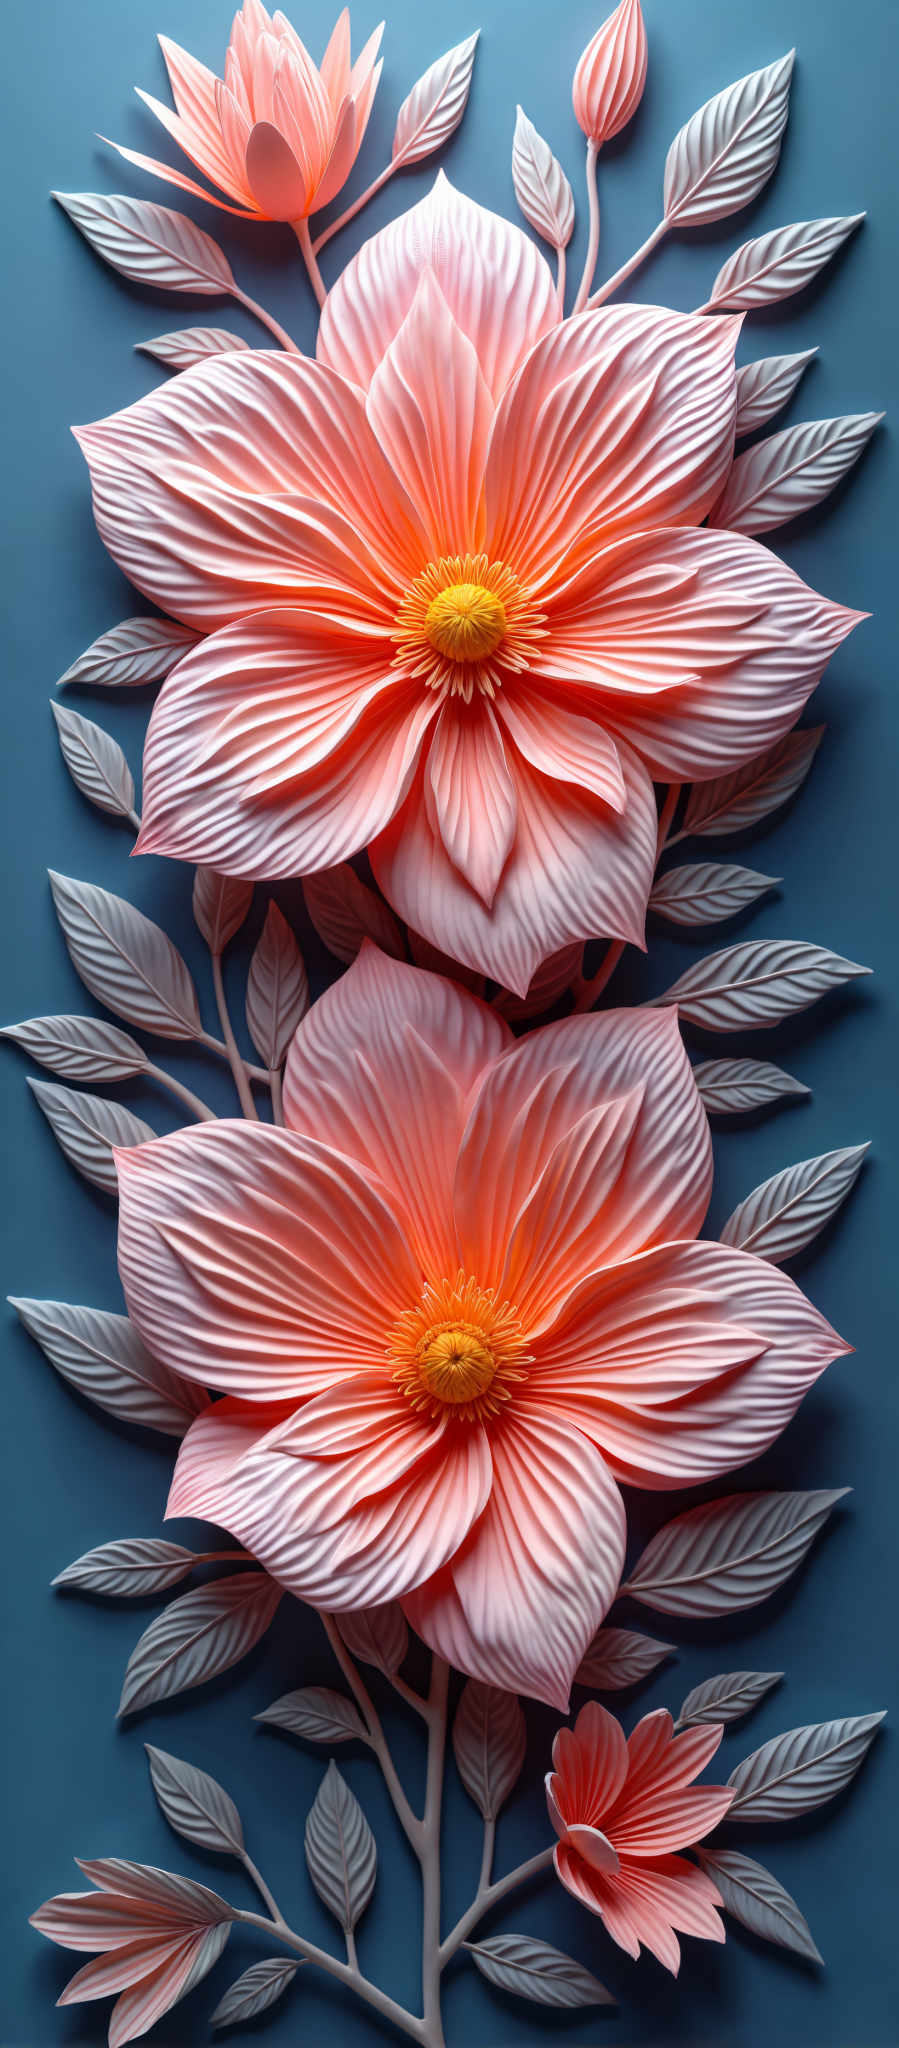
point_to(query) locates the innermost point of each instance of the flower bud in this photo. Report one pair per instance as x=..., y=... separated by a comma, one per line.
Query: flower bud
x=609, y=80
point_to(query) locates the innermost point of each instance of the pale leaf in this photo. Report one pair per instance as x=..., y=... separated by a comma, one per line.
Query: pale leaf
x=707, y=892
x=102, y=1356
x=489, y=1740
x=125, y=960
x=791, y=471
x=729, y=1087
x=731, y=1553
x=129, y=1568
x=220, y=905
x=191, y=345
x=194, y=1804
x=776, y=265
x=95, y=762
x=87, y=1127
x=727, y=1697
x=79, y=1048
x=340, y=1850
x=277, y=989
x=751, y=1895
x=764, y=387
x=431, y=112
x=727, y=151
x=618, y=1657
x=757, y=984
x=255, y=1991
x=345, y=912
x=785, y=1213
x=795, y=1772
x=533, y=1969
x=197, y=1636
x=138, y=651
x=149, y=244
x=318, y=1714
x=731, y=803
x=541, y=187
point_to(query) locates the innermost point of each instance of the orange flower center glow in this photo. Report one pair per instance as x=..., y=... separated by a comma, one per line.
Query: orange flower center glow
x=458, y=1349
x=466, y=624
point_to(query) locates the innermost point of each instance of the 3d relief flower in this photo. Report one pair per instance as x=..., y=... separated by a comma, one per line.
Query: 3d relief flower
x=451, y=1306
x=620, y=1808
x=279, y=134
x=460, y=607
x=156, y=1934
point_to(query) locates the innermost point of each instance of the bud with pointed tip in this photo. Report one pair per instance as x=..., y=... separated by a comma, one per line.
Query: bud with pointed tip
x=609, y=80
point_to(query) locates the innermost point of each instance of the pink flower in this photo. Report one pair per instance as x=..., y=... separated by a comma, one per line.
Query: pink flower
x=280, y=135
x=619, y=1809
x=451, y=1306
x=610, y=76
x=461, y=611
x=157, y=1934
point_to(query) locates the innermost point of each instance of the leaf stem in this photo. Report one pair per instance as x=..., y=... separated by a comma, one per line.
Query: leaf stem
x=255, y=1873
x=238, y=1069
x=217, y=1045
x=408, y=1820
x=133, y=818
x=301, y=230
x=194, y=1103
x=280, y=333
x=345, y=1973
x=430, y=1851
x=583, y=291
x=277, y=1095
x=613, y=284
x=490, y=1895
x=560, y=281
x=355, y=207
x=487, y=1855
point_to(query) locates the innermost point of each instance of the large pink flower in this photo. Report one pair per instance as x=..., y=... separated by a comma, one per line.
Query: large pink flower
x=461, y=610
x=619, y=1809
x=451, y=1306
x=277, y=134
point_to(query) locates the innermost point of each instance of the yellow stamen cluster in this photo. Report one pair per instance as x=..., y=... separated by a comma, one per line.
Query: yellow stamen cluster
x=459, y=1350
x=465, y=623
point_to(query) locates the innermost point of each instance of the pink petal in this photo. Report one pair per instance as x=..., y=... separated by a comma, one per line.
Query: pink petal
x=335, y=64
x=519, y=1604
x=105, y=1920
x=261, y=1264
x=208, y=1457
x=561, y=1221
x=618, y=420
x=172, y=177
x=137, y=2010
x=659, y=1808
x=576, y=869
x=599, y=1894
x=658, y=1898
x=470, y=795
x=382, y=1068
x=590, y=1762
x=710, y=1352
x=699, y=648
x=194, y=91
x=123, y=1967
x=277, y=748
x=560, y=742
x=343, y=154
x=431, y=410
x=594, y=1848
x=275, y=178
x=498, y=287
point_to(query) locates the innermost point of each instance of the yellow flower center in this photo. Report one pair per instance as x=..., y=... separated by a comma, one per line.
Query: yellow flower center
x=455, y=1363
x=459, y=1350
x=465, y=622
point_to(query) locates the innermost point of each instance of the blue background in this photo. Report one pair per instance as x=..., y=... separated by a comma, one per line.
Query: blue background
x=72, y=1478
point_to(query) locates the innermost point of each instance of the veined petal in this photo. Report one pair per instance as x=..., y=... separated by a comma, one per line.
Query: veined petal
x=276, y=178
x=138, y=2008
x=431, y=411
x=589, y=1765
x=560, y=742
x=122, y=1967
x=498, y=287
x=599, y=1894
x=208, y=1457
x=659, y=1897
x=658, y=1808
x=194, y=91
x=561, y=1219
x=343, y=154
x=470, y=795
x=335, y=64
x=173, y=177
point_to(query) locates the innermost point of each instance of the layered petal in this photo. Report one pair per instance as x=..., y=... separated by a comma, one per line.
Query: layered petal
x=470, y=794
x=560, y=742
x=644, y=1903
x=431, y=411
x=590, y=1763
x=498, y=287
x=658, y=1808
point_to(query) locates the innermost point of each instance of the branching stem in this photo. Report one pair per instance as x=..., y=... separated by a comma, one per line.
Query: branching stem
x=490, y=1895
x=236, y=1063
x=280, y=333
x=355, y=207
x=301, y=230
x=193, y=1102
x=613, y=284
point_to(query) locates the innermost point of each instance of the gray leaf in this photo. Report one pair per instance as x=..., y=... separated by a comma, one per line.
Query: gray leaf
x=751, y=1895
x=533, y=1969
x=431, y=112
x=129, y=1567
x=785, y=1213
x=776, y=265
x=149, y=244
x=795, y=1772
x=765, y=386
x=194, y=1804
x=344, y=912
x=727, y=151
x=125, y=960
x=790, y=472
x=138, y=651
x=95, y=762
x=727, y=1697
x=340, y=1850
x=318, y=1714
x=731, y=803
x=758, y=983
x=707, y=892
x=197, y=1636
x=220, y=905
x=277, y=989
x=87, y=1127
x=728, y=1087
x=377, y=1635
x=619, y=1657
x=190, y=345
x=489, y=1741
x=79, y=1048
x=255, y=1991
x=541, y=187
x=731, y=1553
x=102, y=1356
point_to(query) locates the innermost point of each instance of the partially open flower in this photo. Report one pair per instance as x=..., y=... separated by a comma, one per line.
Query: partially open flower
x=157, y=1934
x=609, y=80
x=279, y=134
x=619, y=1808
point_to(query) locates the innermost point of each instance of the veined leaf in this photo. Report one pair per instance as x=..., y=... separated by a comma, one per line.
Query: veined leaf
x=727, y=151
x=785, y=1213
x=731, y=1553
x=776, y=265
x=729, y=1087
x=795, y=1772
x=431, y=112
x=489, y=1740
x=125, y=960
x=149, y=244
x=87, y=1127
x=764, y=387
x=533, y=1969
x=751, y=1895
x=197, y=1636
x=731, y=803
x=138, y=651
x=340, y=1850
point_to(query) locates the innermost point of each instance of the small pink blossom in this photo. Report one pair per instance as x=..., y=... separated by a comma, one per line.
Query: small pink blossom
x=156, y=1935
x=610, y=76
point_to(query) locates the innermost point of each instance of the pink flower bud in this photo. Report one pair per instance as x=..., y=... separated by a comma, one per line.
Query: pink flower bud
x=609, y=80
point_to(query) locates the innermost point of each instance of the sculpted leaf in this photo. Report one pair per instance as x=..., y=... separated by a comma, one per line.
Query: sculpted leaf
x=783, y=1215
x=344, y=912
x=149, y=244
x=728, y=1087
x=318, y=1714
x=102, y=1356
x=277, y=989
x=728, y=150
x=95, y=762
x=137, y=651
x=489, y=1741
x=197, y=1636
x=431, y=112
x=777, y=479
x=763, y=388
x=255, y=1991
x=190, y=345
x=340, y=1850
x=220, y=905
x=727, y=1697
x=729, y=1554
x=707, y=892
x=541, y=187
x=129, y=1568
x=87, y=1127
x=194, y=1804
x=377, y=1635
x=619, y=1657
x=731, y=803
x=533, y=1969
x=776, y=265
x=795, y=1772
x=757, y=984
x=79, y=1048
x=751, y=1895
x=125, y=960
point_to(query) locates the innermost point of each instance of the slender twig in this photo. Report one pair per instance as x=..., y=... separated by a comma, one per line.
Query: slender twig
x=133, y=819
x=255, y=1873
x=491, y=1896
x=277, y=1089
x=351, y=1955
x=408, y=1693
x=612, y=284
x=430, y=1853
x=280, y=333
x=583, y=291
x=586, y=991
x=344, y=1972
x=355, y=207
x=218, y=1046
x=301, y=230
x=409, y=1822
x=193, y=1102
x=238, y=1068
x=560, y=282
x=487, y=1855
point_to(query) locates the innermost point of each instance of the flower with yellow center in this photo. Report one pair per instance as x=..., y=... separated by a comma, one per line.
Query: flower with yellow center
x=459, y=1349
x=465, y=624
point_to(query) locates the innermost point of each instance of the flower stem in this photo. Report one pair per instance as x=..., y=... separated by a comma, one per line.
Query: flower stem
x=252, y=306
x=238, y=1069
x=490, y=1895
x=430, y=1851
x=301, y=230
x=560, y=282
x=277, y=1095
x=613, y=284
x=356, y=207
x=262, y=1888
x=191, y=1101
x=583, y=291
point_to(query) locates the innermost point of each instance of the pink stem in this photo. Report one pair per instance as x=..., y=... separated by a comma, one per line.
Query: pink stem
x=583, y=291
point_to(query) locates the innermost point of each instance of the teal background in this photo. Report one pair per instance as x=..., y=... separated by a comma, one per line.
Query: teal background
x=71, y=1477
